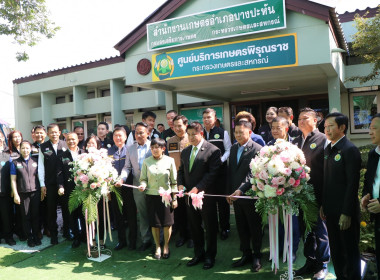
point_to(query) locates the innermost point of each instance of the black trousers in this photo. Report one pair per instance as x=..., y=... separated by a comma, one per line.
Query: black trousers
x=6, y=209
x=249, y=227
x=30, y=207
x=223, y=207
x=377, y=241
x=129, y=214
x=64, y=202
x=207, y=234
x=344, y=247
x=51, y=205
x=181, y=222
x=71, y=221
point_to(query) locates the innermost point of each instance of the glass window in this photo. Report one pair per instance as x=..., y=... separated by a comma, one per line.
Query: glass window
x=363, y=106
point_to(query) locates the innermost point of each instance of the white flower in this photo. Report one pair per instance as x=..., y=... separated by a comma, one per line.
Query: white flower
x=275, y=165
x=269, y=191
x=294, y=165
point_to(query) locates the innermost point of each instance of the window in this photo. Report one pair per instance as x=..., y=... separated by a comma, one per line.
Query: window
x=60, y=100
x=91, y=95
x=106, y=92
x=89, y=126
x=363, y=106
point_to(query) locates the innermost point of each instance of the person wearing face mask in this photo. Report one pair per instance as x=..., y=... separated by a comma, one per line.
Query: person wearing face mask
x=320, y=121
x=265, y=129
x=26, y=192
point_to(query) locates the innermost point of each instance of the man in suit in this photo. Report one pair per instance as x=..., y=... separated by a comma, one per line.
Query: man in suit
x=248, y=221
x=370, y=200
x=316, y=246
x=199, y=167
x=136, y=153
x=340, y=204
x=220, y=138
x=49, y=153
x=150, y=119
x=66, y=185
x=118, y=153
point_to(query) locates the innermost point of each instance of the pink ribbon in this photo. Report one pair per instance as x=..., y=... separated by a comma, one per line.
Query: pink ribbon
x=166, y=196
x=181, y=194
x=288, y=241
x=273, y=240
x=197, y=200
x=87, y=234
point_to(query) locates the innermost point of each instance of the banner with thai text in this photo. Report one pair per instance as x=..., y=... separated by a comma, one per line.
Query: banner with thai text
x=247, y=55
x=247, y=18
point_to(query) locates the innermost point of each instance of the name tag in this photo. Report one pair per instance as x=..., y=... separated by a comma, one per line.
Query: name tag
x=19, y=165
x=173, y=146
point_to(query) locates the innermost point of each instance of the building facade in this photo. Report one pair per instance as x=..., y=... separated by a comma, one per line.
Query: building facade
x=229, y=55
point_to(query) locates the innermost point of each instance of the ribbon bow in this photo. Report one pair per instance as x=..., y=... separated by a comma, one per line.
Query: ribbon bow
x=197, y=200
x=166, y=196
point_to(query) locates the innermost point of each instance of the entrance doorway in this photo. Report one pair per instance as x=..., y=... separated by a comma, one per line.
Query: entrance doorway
x=258, y=107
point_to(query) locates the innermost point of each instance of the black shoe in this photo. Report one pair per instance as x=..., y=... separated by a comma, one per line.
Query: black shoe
x=120, y=246
x=180, y=242
x=166, y=256
x=132, y=247
x=54, y=240
x=224, y=234
x=31, y=243
x=308, y=268
x=190, y=243
x=209, y=263
x=242, y=261
x=320, y=275
x=37, y=241
x=68, y=236
x=195, y=261
x=10, y=241
x=75, y=244
x=256, y=265
x=22, y=237
x=145, y=246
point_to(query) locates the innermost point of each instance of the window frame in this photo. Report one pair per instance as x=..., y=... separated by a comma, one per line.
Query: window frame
x=352, y=114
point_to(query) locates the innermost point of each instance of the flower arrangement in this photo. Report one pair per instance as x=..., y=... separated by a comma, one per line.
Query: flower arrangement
x=280, y=179
x=94, y=177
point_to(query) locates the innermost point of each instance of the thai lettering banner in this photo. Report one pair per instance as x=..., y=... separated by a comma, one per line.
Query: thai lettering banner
x=247, y=55
x=248, y=18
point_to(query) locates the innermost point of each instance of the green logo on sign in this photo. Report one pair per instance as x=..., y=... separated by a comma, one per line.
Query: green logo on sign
x=164, y=66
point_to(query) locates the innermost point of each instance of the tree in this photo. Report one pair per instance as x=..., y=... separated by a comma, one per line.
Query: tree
x=366, y=44
x=27, y=21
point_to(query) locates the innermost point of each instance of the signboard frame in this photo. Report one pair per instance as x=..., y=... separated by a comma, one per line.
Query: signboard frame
x=151, y=26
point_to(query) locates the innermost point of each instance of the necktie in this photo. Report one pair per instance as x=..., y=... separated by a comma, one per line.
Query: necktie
x=192, y=157
x=239, y=153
